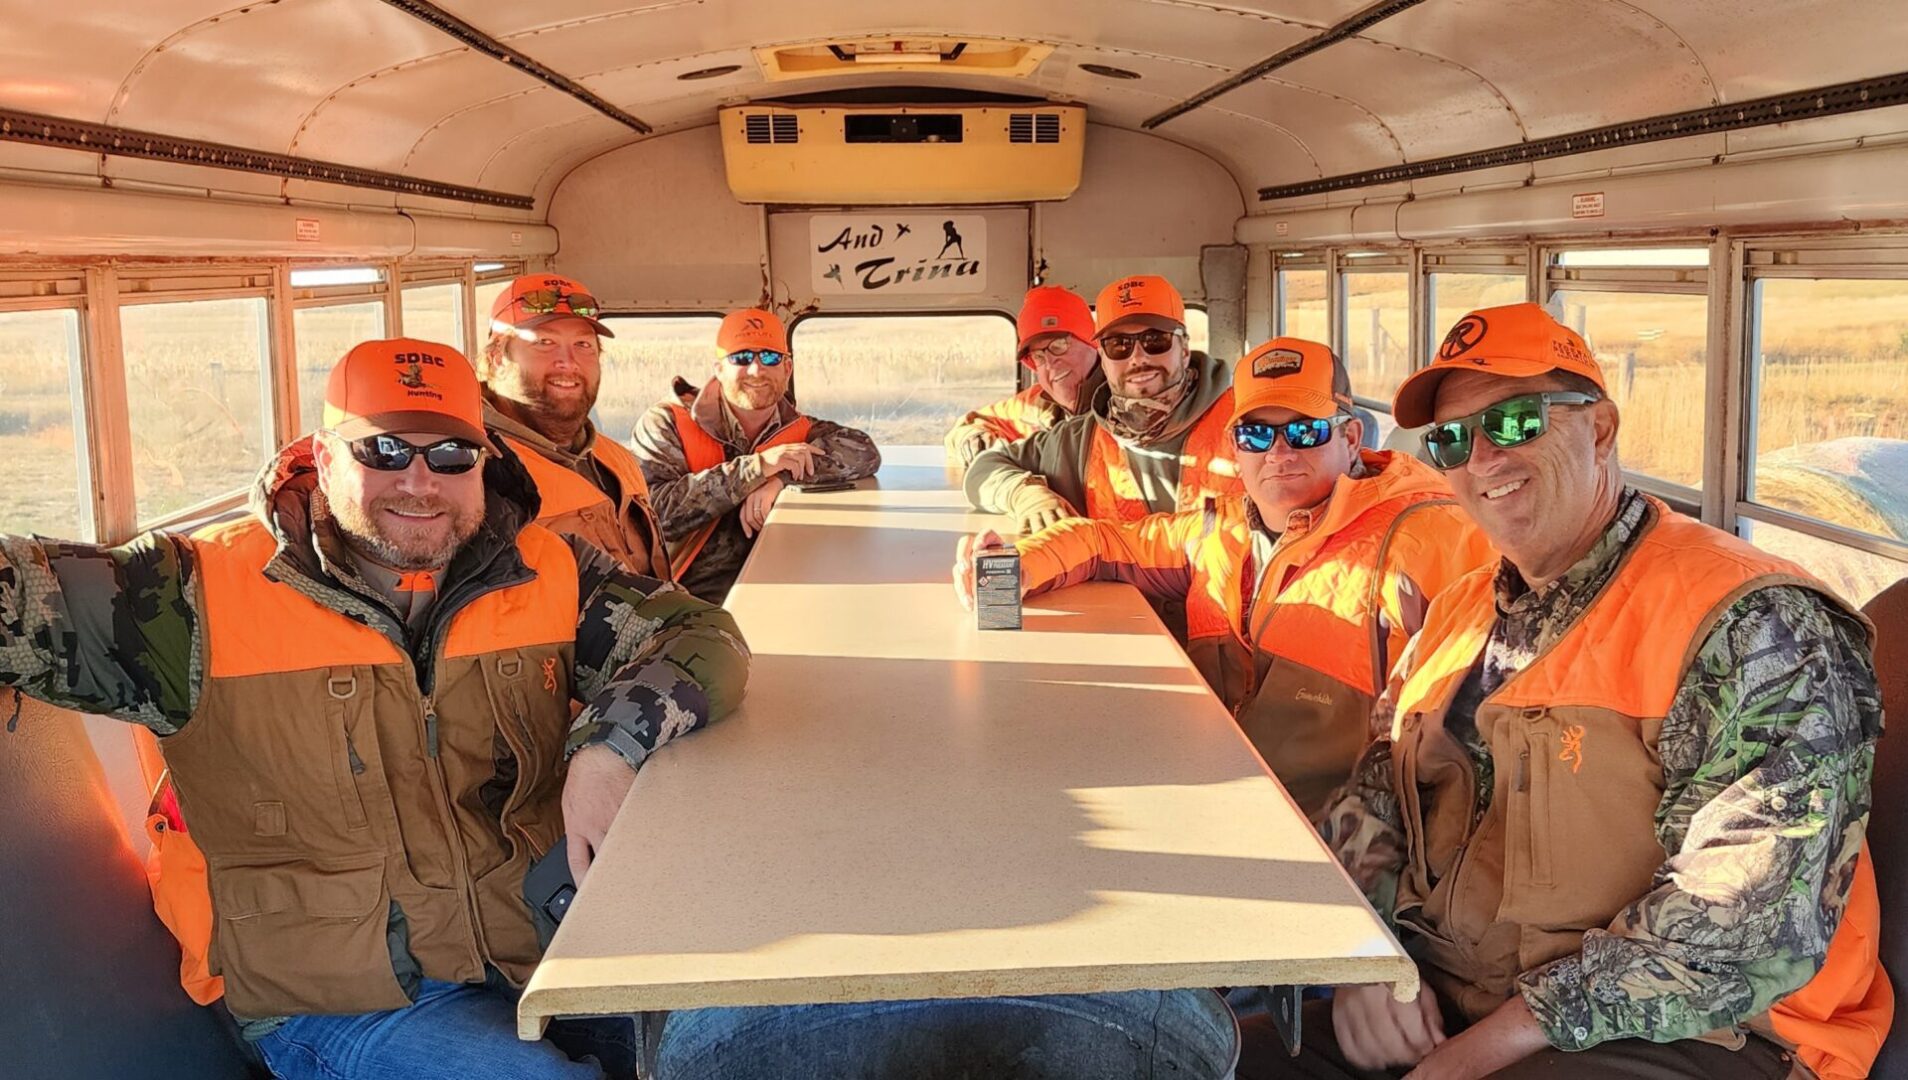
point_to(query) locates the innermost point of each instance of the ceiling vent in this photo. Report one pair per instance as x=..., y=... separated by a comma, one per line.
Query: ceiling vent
x=1033, y=128
x=888, y=56
x=888, y=155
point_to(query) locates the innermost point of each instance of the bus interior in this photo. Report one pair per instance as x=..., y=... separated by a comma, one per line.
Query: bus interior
x=205, y=203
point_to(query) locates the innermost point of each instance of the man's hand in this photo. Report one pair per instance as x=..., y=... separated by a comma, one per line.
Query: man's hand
x=795, y=461
x=1034, y=507
x=1507, y=1036
x=1375, y=1032
x=755, y=507
x=964, y=563
x=592, y=794
x=973, y=446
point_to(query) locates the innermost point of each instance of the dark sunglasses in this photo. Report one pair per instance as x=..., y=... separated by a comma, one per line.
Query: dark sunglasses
x=1120, y=346
x=1258, y=437
x=764, y=357
x=388, y=453
x=1511, y=422
x=546, y=302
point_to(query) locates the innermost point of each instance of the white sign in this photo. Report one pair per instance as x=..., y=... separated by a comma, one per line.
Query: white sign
x=1281, y=228
x=516, y=238
x=857, y=254
x=306, y=229
x=1587, y=205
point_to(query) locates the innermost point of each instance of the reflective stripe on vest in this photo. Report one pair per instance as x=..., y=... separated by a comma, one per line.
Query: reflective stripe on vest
x=1580, y=746
x=1206, y=470
x=704, y=451
x=563, y=494
x=508, y=645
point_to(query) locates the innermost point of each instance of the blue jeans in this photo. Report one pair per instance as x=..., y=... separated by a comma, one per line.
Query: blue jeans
x=454, y=1031
x=1188, y=1034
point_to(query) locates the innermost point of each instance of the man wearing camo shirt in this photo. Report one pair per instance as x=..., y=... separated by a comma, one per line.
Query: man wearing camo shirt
x=1618, y=819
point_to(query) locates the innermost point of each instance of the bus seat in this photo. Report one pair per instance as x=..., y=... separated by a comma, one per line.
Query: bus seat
x=1405, y=440
x=1887, y=829
x=98, y=975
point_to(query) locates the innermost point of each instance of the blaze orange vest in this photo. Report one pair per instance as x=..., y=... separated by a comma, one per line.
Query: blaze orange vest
x=1573, y=737
x=1302, y=678
x=1015, y=418
x=571, y=505
x=1205, y=469
x=704, y=451
x=337, y=746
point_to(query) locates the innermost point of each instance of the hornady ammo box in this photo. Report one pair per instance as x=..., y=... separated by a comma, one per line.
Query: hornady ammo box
x=997, y=588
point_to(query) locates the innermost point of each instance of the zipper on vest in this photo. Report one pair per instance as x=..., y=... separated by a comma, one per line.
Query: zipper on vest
x=430, y=725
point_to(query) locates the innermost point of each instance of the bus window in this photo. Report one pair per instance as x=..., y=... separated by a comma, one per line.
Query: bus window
x=1451, y=296
x=1377, y=343
x=904, y=379
x=1198, y=334
x=1652, y=348
x=1855, y=575
x=1302, y=305
x=436, y=313
x=321, y=336
x=39, y=426
x=195, y=393
x=644, y=357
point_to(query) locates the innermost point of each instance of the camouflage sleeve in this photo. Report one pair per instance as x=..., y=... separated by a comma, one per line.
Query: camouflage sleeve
x=1362, y=823
x=845, y=453
x=972, y=434
x=1767, y=752
x=686, y=501
x=652, y=661
x=102, y=630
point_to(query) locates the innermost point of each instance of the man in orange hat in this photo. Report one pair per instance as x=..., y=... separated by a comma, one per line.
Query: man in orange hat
x=1056, y=343
x=541, y=370
x=1154, y=439
x=1618, y=819
x=364, y=692
x=717, y=466
x=1300, y=593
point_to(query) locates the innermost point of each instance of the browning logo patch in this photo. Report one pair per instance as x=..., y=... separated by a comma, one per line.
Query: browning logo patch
x=1277, y=363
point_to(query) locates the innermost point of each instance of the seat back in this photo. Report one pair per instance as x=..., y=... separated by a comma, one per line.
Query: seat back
x=97, y=975
x=1887, y=829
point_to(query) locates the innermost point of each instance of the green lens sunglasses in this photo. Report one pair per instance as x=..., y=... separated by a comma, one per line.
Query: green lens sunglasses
x=1510, y=422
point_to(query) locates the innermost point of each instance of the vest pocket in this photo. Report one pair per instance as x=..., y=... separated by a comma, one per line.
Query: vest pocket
x=341, y=688
x=1531, y=836
x=304, y=936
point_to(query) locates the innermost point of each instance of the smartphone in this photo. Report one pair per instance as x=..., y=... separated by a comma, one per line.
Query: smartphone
x=549, y=889
x=824, y=485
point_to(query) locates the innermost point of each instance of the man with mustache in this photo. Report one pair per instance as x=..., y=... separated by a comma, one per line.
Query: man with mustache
x=1152, y=440
x=717, y=466
x=363, y=693
x=1056, y=341
x=1618, y=818
x=541, y=370
x=1301, y=593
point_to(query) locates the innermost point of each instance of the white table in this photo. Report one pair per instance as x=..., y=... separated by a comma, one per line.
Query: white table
x=908, y=807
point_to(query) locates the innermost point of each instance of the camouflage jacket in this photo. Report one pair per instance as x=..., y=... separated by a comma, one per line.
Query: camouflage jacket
x=121, y=631
x=686, y=501
x=1766, y=752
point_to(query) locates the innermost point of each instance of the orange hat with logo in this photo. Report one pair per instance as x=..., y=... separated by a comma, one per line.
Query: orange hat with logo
x=1291, y=373
x=535, y=299
x=1521, y=341
x=1143, y=299
x=751, y=328
x=403, y=384
x=1050, y=309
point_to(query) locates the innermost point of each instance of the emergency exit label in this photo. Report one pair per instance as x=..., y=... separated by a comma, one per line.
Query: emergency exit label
x=897, y=253
x=306, y=229
x=1587, y=205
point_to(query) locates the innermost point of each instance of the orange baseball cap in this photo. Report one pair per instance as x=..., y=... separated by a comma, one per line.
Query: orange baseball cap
x=751, y=328
x=1050, y=309
x=403, y=384
x=1518, y=340
x=1291, y=373
x=535, y=299
x=1143, y=298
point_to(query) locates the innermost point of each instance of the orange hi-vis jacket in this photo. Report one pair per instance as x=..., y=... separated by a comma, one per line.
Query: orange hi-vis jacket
x=280, y=900
x=1206, y=469
x=704, y=451
x=625, y=529
x=1300, y=648
x=1568, y=841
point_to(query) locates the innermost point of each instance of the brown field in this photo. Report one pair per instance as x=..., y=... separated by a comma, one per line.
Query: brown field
x=1835, y=364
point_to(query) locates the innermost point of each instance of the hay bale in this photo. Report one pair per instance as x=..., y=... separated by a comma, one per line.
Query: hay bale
x=1860, y=482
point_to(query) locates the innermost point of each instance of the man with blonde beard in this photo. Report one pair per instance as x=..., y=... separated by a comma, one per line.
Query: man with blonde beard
x=363, y=692
x=541, y=370
x=717, y=466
